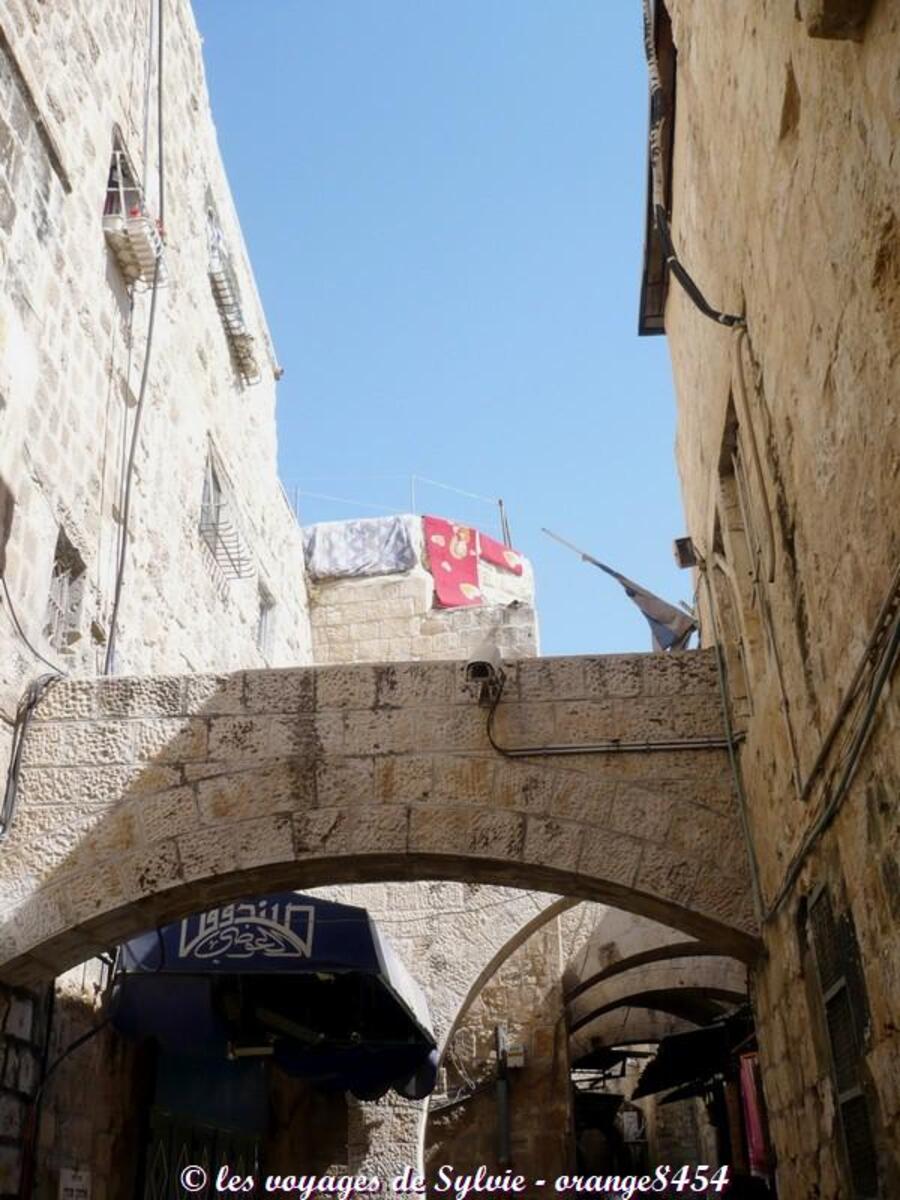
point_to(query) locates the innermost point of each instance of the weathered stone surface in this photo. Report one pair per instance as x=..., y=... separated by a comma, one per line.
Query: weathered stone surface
x=263, y=787
x=790, y=481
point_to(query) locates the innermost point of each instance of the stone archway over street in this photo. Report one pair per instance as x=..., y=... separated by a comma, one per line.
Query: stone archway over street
x=144, y=799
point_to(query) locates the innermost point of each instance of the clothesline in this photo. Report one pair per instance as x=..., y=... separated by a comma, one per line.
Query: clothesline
x=412, y=480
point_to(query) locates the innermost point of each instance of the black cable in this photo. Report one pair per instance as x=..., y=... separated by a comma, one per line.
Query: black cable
x=21, y=632
x=24, y=714
x=613, y=746
x=490, y=721
x=684, y=278
x=70, y=1049
x=142, y=392
x=883, y=671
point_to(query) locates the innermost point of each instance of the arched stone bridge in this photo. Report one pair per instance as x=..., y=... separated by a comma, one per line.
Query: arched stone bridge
x=143, y=799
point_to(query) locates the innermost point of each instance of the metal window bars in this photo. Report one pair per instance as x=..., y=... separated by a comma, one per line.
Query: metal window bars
x=227, y=294
x=220, y=529
x=130, y=231
x=58, y=616
x=61, y=621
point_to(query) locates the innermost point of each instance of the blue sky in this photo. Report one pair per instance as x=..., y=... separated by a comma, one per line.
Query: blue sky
x=444, y=206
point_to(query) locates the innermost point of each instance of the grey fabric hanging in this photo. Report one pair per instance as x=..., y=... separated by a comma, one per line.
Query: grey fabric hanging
x=354, y=549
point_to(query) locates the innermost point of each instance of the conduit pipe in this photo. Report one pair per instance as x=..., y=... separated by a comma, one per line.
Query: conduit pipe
x=746, y=422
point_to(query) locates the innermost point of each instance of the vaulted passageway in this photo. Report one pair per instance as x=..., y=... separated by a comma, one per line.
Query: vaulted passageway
x=142, y=800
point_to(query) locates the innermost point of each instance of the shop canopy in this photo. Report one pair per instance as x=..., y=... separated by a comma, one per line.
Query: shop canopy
x=310, y=984
x=690, y=1060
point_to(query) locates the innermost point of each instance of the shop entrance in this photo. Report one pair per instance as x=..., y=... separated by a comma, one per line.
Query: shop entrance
x=175, y=1142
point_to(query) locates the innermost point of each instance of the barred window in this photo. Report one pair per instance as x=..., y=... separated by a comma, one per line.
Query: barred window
x=220, y=525
x=131, y=232
x=227, y=295
x=846, y=1012
x=62, y=624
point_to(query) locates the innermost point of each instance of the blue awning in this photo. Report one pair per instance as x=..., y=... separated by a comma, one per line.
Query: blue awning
x=306, y=982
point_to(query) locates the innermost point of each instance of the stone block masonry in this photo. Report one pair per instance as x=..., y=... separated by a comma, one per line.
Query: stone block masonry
x=786, y=207
x=161, y=806
x=72, y=348
x=390, y=618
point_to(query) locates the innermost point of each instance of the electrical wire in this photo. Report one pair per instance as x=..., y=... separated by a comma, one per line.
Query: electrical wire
x=70, y=1049
x=35, y=691
x=122, y=558
x=17, y=625
x=658, y=181
x=743, y=806
x=849, y=764
x=741, y=336
x=610, y=747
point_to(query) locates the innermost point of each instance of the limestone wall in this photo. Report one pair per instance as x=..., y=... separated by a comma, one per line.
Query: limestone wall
x=525, y=995
x=73, y=345
x=786, y=207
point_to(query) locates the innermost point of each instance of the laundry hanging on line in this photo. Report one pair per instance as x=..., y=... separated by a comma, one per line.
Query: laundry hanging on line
x=355, y=549
x=453, y=552
x=494, y=552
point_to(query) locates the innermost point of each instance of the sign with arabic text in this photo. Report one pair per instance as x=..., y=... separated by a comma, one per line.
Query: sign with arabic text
x=271, y=927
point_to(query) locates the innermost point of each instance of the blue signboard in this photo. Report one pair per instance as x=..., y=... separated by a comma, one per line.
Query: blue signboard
x=305, y=982
x=280, y=932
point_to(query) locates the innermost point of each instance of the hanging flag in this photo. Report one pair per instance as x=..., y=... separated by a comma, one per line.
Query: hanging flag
x=453, y=561
x=670, y=627
x=499, y=555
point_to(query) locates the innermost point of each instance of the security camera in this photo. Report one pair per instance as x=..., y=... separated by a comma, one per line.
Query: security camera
x=484, y=673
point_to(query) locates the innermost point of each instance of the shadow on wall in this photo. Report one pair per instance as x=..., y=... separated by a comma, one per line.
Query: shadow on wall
x=7, y=508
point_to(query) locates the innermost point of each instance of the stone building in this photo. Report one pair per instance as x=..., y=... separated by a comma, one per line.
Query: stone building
x=599, y=856
x=785, y=208
x=213, y=571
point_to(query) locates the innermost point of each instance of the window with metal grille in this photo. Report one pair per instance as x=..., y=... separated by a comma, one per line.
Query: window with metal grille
x=227, y=294
x=130, y=229
x=655, y=274
x=265, y=622
x=845, y=1005
x=220, y=526
x=64, y=598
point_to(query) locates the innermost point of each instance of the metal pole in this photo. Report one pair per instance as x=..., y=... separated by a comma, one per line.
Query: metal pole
x=503, y=1138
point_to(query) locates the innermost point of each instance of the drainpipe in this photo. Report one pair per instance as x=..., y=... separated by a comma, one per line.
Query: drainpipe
x=503, y=1138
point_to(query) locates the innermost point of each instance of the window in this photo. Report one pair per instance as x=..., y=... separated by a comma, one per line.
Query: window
x=62, y=622
x=655, y=275
x=130, y=231
x=265, y=622
x=220, y=527
x=846, y=1014
x=227, y=294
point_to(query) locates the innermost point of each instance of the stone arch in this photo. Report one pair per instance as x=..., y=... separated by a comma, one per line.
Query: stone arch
x=634, y=1026
x=657, y=954
x=620, y=939
x=144, y=799
x=718, y=977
